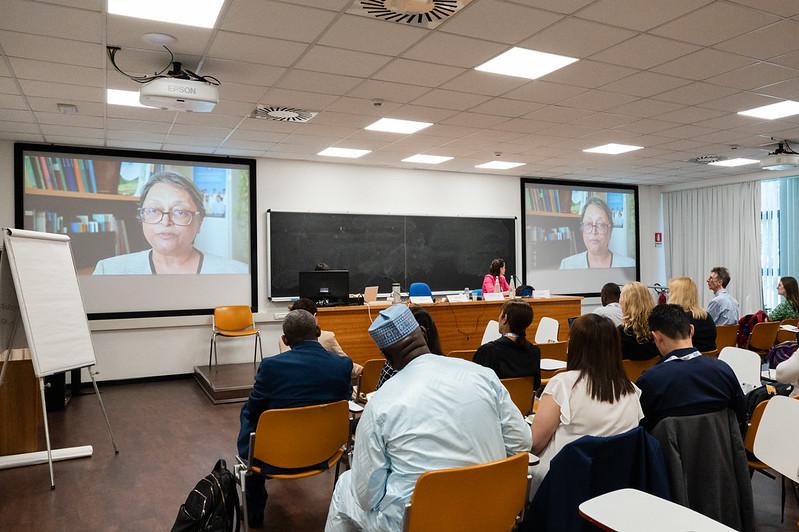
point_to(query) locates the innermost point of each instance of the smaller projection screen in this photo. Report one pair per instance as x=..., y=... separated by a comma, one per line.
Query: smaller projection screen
x=579, y=235
x=152, y=233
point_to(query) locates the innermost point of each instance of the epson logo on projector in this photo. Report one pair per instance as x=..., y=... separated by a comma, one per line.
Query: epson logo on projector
x=181, y=90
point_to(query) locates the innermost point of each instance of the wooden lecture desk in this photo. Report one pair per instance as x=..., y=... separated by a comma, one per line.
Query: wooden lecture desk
x=460, y=325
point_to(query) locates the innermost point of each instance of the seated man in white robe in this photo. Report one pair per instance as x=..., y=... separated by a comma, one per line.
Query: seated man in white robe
x=435, y=413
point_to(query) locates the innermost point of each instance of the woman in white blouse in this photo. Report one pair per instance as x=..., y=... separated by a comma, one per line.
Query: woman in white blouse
x=593, y=397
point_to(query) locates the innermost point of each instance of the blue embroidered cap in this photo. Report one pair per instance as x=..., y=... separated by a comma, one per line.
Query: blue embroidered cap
x=392, y=325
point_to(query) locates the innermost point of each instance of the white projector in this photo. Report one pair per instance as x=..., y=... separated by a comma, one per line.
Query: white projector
x=173, y=94
x=780, y=161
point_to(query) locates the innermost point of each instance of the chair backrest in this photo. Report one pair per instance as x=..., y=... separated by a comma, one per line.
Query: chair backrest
x=744, y=363
x=419, y=289
x=491, y=333
x=465, y=354
x=783, y=336
x=301, y=437
x=521, y=392
x=370, y=375
x=726, y=335
x=233, y=318
x=714, y=353
x=554, y=350
x=469, y=499
x=634, y=368
x=763, y=335
x=754, y=424
x=547, y=330
x=775, y=441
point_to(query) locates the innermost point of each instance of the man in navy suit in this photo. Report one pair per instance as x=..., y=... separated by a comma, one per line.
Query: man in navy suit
x=306, y=375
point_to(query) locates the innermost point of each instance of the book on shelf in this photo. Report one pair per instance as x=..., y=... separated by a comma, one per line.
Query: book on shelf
x=548, y=200
x=58, y=173
x=541, y=234
x=54, y=222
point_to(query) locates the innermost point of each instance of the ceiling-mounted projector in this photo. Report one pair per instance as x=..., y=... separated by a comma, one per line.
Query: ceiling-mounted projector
x=781, y=158
x=174, y=94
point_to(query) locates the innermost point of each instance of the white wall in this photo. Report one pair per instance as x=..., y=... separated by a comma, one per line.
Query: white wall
x=162, y=346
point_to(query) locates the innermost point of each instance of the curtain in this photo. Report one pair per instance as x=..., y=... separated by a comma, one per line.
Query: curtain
x=789, y=227
x=716, y=226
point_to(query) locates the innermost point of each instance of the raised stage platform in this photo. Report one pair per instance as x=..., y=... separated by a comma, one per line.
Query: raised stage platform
x=226, y=383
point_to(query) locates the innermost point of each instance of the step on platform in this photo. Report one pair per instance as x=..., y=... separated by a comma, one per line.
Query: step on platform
x=226, y=383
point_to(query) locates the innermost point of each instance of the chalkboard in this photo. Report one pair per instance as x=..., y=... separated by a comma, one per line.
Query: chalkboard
x=448, y=253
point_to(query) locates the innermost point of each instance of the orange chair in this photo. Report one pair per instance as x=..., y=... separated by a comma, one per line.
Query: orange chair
x=726, y=336
x=486, y=497
x=784, y=336
x=367, y=382
x=232, y=322
x=554, y=350
x=297, y=438
x=465, y=354
x=634, y=368
x=763, y=337
x=714, y=353
x=521, y=392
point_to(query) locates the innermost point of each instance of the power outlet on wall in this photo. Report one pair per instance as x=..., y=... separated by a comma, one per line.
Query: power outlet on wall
x=280, y=315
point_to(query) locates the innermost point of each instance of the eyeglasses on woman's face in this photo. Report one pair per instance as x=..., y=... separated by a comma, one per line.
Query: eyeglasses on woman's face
x=151, y=215
x=598, y=228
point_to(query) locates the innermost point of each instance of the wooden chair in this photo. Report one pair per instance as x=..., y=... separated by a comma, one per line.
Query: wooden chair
x=367, y=382
x=763, y=337
x=784, y=336
x=233, y=322
x=521, y=392
x=486, y=497
x=465, y=354
x=296, y=438
x=714, y=353
x=554, y=350
x=726, y=336
x=634, y=368
x=547, y=375
x=776, y=436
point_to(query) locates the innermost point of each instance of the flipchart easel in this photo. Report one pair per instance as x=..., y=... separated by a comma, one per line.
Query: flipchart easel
x=41, y=308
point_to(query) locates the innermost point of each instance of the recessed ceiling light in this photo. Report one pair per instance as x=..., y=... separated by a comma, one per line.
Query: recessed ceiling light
x=394, y=125
x=773, y=111
x=349, y=153
x=129, y=98
x=740, y=161
x=426, y=159
x=499, y=165
x=524, y=63
x=613, y=149
x=202, y=13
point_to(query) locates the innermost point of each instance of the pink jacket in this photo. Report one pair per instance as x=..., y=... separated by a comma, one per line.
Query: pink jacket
x=488, y=284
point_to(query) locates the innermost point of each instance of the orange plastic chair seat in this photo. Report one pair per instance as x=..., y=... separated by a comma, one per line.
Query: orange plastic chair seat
x=246, y=332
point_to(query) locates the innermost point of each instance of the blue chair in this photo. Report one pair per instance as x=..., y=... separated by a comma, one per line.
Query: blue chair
x=419, y=289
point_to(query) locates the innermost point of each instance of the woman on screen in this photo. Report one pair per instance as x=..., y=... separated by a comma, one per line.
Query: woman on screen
x=171, y=212
x=496, y=271
x=596, y=227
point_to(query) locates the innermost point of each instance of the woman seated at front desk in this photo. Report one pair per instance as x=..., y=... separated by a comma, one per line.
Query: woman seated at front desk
x=496, y=273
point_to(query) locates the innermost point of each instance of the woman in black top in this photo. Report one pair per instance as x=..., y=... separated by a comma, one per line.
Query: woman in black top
x=636, y=340
x=683, y=292
x=512, y=355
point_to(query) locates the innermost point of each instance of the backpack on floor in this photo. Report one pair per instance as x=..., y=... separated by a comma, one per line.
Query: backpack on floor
x=764, y=393
x=213, y=504
x=745, y=326
x=780, y=353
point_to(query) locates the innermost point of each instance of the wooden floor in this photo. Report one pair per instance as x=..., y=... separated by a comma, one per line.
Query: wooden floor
x=169, y=436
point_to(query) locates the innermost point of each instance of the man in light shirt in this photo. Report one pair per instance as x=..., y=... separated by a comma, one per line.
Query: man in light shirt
x=610, y=303
x=435, y=413
x=723, y=308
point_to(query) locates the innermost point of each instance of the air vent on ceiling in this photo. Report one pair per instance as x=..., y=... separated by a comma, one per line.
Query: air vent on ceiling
x=707, y=159
x=424, y=13
x=283, y=114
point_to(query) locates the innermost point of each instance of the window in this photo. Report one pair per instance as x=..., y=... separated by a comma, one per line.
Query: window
x=779, y=225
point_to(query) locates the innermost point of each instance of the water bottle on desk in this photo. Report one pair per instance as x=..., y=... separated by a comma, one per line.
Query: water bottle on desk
x=466, y=293
x=396, y=296
x=497, y=286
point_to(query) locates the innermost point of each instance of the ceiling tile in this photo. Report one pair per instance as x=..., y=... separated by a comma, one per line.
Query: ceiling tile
x=74, y=141
x=417, y=73
x=12, y=101
x=49, y=105
x=695, y=93
x=645, y=108
x=133, y=144
x=73, y=131
x=604, y=120
x=241, y=93
x=388, y=91
x=51, y=20
x=19, y=127
x=559, y=38
x=638, y=15
x=589, y=74
x=703, y=64
x=228, y=71
x=49, y=89
x=139, y=113
x=787, y=89
x=753, y=76
x=647, y=126
x=789, y=60
x=231, y=108
x=561, y=6
x=358, y=106
x=255, y=49
x=450, y=99
x=317, y=81
x=423, y=114
x=333, y=5
x=739, y=102
x=783, y=8
x=645, y=84
x=52, y=49
x=506, y=108
x=43, y=71
x=558, y=114
x=774, y=40
x=8, y=86
x=690, y=115
x=475, y=120
x=338, y=61
x=78, y=120
x=454, y=50
x=544, y=92
x=484, y=83
x=714, y=23
x=199, y=131
x=277, y=20
x=126, y=32
x=597, y=100
x=360, y=33
x=295, y=98
x=138, y=125
x=499, y=21
x=189, y=140
x=644, y=51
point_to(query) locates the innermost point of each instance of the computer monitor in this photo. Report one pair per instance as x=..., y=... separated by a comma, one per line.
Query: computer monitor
x=329, y=287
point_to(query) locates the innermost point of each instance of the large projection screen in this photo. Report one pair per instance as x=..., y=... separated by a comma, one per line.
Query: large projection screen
x=153, y=233
x=579, y=235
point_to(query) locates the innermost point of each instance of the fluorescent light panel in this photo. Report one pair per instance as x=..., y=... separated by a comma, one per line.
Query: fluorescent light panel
x=774, y=110
x=200, y=13
x=427, y=159
x=740, y=161
x=129, y=98
x=349, y=153
x=613, y=149
x=524, y=63
x=499, y=165
x=395, y=125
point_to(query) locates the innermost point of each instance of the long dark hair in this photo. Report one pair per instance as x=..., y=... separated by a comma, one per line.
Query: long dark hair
x=519, y=315
x=496, y=265
x=791, y=291
x=595, y=351
x=424, y=319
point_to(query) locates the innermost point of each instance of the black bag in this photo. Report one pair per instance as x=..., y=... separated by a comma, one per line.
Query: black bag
x=764, y=393
x=213, y=504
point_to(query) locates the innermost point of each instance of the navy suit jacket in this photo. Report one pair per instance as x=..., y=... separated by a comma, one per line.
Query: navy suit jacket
x=305, y=375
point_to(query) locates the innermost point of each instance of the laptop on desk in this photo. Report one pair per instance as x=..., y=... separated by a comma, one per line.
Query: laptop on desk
x=370, y=294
